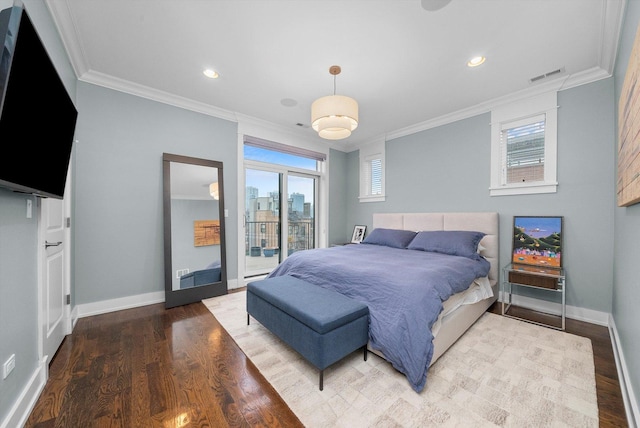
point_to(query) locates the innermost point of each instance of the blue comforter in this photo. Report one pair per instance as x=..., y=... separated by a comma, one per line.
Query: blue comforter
x=403, y=288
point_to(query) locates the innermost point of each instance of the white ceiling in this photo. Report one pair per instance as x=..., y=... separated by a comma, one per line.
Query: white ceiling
x=405, y=66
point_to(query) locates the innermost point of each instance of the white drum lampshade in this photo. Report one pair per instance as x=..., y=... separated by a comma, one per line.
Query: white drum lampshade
x=334, y=117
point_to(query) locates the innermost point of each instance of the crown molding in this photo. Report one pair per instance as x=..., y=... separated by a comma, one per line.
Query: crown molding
x=142, y=91
x=612, y=21
x=559, y=84
x=66, y=26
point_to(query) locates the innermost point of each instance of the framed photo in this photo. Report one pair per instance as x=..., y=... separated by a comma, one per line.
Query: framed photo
x=537, y=241
x=358, y=234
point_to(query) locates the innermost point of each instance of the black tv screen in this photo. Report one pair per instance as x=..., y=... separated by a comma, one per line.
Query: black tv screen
x=37, y=118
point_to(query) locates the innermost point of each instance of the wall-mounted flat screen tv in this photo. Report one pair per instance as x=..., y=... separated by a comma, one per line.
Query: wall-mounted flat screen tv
x=37, y=116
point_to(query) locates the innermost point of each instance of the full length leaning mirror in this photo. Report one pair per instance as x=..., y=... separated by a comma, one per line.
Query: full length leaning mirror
x=194, y=238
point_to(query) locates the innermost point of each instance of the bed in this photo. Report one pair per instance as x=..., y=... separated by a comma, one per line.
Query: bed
x=426, y=277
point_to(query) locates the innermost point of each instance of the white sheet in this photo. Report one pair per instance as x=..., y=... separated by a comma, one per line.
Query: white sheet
x=480, y=289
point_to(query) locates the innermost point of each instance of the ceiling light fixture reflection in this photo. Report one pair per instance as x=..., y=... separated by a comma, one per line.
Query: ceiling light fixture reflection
x=476, y=61
x=213, y=191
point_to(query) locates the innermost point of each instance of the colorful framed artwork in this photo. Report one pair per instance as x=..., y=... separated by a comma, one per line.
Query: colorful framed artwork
x=537, y=241
x=358, y=234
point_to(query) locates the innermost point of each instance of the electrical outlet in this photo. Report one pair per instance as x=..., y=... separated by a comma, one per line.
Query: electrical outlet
x=181, y=272
x=8, y=366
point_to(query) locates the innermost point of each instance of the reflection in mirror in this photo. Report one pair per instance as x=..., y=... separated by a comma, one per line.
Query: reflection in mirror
x=195, y=225
x=194, y=230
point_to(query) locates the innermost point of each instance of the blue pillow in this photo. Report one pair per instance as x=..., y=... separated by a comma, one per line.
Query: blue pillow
x=395, y=238
x=454, y=242
x=214, y=264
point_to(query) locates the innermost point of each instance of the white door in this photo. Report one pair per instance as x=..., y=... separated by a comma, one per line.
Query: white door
x=54, y=275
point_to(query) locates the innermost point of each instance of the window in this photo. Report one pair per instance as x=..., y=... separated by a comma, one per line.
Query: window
x=524, y=147
x=372, y=183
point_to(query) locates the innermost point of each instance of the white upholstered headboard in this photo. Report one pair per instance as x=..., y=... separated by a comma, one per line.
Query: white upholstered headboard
x=486, y=222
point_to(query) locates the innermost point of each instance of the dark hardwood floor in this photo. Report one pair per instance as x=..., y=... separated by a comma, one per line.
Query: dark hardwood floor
x=148, y=367
x=151, y=367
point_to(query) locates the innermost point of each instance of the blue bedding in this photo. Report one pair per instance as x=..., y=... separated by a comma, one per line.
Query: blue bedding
x=403, y=288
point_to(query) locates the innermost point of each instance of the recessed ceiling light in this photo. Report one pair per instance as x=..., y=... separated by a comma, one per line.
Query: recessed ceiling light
x=212, y=74
x=476, y=61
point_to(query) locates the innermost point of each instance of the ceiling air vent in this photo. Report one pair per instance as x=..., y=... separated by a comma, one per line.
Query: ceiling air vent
x=546, y=75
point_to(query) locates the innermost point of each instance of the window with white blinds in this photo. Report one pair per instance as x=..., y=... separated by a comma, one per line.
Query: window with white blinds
x=372, y=173
x=524, y=147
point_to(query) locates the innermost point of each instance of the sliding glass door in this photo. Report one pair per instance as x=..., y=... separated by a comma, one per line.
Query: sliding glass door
x=262, y=221
x=277, y=199
x=281, y=202
x=301, y=218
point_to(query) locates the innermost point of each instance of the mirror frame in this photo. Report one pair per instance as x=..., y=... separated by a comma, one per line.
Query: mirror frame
x=185, y=296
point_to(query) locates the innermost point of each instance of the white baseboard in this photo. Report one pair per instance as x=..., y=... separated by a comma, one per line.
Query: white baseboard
x=24, y=404
x=112, y=305
x=629, y=397
x=573, y=312
x=74, y=317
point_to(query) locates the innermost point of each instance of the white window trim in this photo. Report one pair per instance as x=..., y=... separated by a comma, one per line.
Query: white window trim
x=546, y=104
x=374, y=150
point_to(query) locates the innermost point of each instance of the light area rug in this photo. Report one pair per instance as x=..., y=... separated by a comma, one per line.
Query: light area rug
x=501, y=372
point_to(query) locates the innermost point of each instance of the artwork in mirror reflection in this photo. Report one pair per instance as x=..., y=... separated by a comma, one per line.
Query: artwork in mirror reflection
x=195, y=226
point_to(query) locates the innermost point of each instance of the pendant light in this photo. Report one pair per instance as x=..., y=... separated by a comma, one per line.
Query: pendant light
x=334, y=117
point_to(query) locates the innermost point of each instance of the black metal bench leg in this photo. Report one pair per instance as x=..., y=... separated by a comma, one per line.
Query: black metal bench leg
x=321, y=385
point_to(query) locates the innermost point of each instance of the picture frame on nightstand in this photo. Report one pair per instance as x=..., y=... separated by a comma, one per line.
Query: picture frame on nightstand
x=358, y=234
x=536, y=263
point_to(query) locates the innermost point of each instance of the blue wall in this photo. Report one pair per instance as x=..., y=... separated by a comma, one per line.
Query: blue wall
x=118, y=222
x=18, y=294
x=626, y=285
x=338, y=228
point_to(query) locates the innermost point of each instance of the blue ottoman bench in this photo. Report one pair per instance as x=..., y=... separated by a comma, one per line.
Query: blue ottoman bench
x=322, y=325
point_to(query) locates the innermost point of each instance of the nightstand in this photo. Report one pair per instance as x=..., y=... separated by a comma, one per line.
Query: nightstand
x=552, y=280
